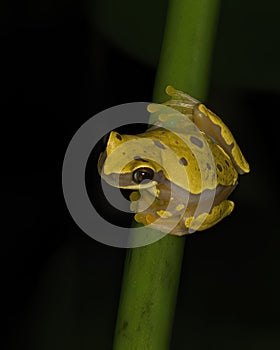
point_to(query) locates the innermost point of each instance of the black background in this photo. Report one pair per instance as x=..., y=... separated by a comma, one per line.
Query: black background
x=60, y=287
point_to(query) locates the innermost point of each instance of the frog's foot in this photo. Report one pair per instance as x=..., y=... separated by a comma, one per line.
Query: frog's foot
x=207, y=220
x=181, y=101
x=180, y=95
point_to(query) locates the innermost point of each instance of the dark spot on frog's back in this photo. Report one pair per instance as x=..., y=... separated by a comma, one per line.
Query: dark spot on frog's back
x=195, y=141
x=208, y=166
x=183, y=161
x=118, y=136
x=220, y=168
x=159, y=144
x=141, y=159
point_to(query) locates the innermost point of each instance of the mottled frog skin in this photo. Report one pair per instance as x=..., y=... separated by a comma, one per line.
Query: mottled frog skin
x=181, y=170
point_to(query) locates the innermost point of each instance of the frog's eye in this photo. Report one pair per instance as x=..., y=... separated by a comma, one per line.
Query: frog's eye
x=142, y=174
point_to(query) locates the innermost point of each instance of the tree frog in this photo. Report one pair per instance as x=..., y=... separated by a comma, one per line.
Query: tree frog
x=181, y=170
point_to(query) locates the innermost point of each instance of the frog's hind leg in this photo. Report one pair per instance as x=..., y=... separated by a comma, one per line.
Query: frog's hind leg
x=207, y=220
x=174, y=225
x=209, y=123
x=214, y=127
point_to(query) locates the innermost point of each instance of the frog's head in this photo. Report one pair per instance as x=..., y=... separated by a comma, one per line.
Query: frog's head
x=128, y=162
x=156, y=157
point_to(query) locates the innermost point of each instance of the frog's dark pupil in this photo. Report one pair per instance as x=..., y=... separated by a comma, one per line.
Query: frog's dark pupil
x=142, y=174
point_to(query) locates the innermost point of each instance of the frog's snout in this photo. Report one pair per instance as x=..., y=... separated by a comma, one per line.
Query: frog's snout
x=101, y=161
x=105, y=140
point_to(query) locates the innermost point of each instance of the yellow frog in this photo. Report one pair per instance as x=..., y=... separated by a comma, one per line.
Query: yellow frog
x=183, y=168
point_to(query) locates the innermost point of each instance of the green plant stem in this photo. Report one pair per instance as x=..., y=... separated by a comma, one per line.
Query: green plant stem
x=148, y=296
x=152, y=273
x=185, y=60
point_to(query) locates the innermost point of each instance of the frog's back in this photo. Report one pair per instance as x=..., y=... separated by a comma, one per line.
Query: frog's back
x=206, y=163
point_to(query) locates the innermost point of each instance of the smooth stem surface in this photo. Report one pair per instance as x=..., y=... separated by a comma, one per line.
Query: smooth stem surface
x=148, y=296
x=152, y=273
x=185, y=60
